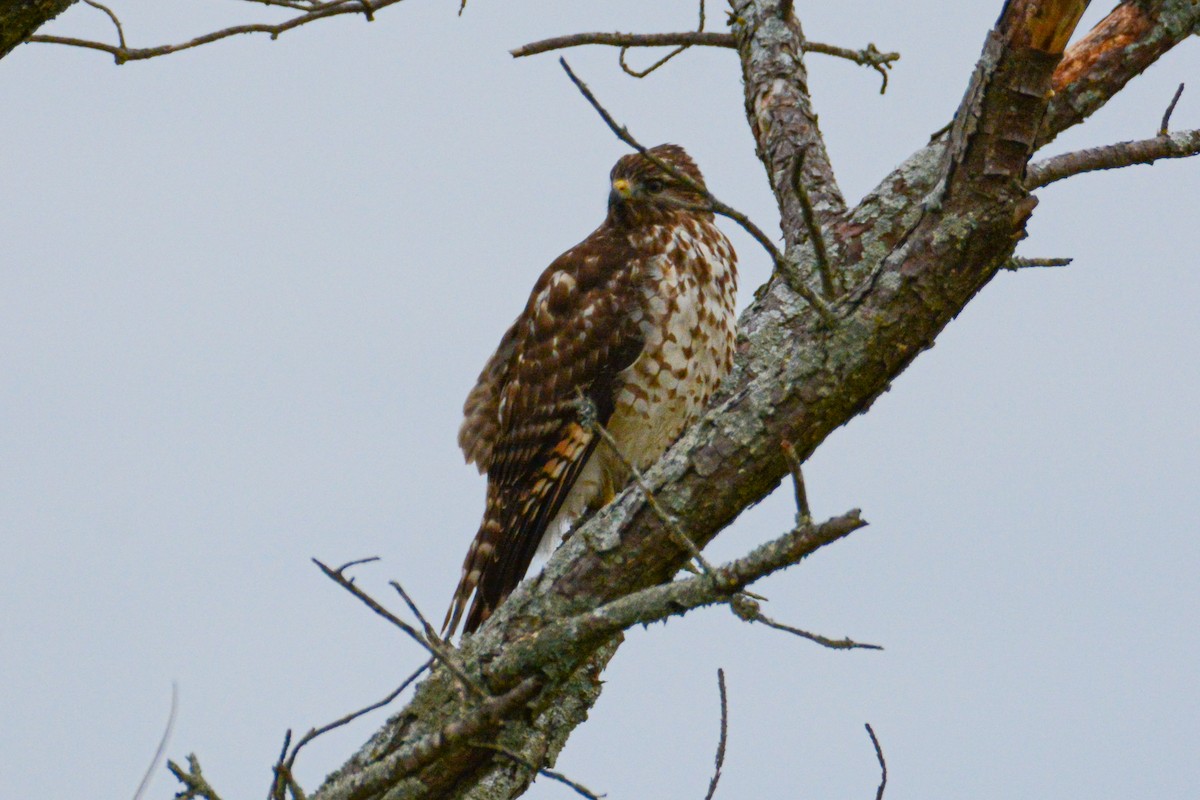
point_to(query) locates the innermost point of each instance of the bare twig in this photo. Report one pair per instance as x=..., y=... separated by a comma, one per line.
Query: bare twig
x=195, y=785
x=430, y=633
x=435, y=648
x=1123, y=154
x=720, y=757
x=643, y=73
x=750, y=611
x=868, y=56
x=588, y=417
x=549, y=773
x=712, y=203
x=815, y=235
x=820, y=251
x=678, y=597
x=287, y=760
x=882, y=763
x=309, y=13
x=1164, y=128
x=162, y=744
x=803, y=514
x=1021, y=262
x=845, y=643
x=115, y=20
x=356, y=562
x=484, y=715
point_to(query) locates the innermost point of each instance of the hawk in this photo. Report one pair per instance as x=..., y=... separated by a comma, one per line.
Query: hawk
x=639, y=319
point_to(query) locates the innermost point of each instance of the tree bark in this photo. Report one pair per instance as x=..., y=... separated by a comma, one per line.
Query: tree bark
x=20, y=18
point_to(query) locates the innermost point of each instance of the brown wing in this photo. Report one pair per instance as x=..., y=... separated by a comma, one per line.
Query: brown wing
x=481, y=411
x=580, y=329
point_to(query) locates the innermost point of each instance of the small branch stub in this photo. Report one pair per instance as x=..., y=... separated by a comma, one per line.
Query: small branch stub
x=1165, y=126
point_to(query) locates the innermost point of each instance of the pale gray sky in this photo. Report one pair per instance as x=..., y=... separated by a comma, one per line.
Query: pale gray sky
x=247, y=287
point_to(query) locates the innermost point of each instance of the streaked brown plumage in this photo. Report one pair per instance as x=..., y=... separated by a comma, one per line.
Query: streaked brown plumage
x=639, y=318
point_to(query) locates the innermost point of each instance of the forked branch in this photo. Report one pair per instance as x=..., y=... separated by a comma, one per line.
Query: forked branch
x=869, y=56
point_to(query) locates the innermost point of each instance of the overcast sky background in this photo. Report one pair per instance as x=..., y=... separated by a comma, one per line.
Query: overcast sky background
x=246, y=288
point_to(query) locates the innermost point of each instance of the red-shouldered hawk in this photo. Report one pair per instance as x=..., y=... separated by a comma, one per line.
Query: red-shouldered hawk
x=638, y=318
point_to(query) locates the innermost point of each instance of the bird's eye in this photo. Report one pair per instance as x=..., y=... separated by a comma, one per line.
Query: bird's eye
x=654, y=186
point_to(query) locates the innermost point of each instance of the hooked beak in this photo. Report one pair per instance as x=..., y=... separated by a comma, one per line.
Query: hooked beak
x=621, y=191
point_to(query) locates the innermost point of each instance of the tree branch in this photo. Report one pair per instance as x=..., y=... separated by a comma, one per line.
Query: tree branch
x=719, y=759
x=162, y=744
x=879, y=758
x=310, y=13
x=675, y=598
x=1121, y=46
x=18, y=20
x=1124, y=154
x=287, y=759
x=868, y=56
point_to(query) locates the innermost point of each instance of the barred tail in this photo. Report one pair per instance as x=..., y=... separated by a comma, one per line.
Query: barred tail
x=480, y=556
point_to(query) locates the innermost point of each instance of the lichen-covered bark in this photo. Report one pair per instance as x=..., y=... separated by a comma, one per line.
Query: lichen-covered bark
x=914, y=252
x=20, y=18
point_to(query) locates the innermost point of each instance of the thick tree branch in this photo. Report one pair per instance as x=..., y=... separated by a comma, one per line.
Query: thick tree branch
x=1113, y=156
x=779, y=108
x=1127, y=41
x=20, y=18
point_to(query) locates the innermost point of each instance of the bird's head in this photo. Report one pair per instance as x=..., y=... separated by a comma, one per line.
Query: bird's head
x=643, y=191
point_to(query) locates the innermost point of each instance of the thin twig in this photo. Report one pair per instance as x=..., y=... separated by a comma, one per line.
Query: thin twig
x=282, y=774
x=529, y=765
x=121, y=53
x=803, y=513
x=869, y=56
x=712, y=203
x=589, y=418
x=356, y=562
x=195, y=785
x=748, y=610
x=1022, y=262
x=413, y=755
x=1123, y=154
x=430, y=632
x=439, y=652
x=643, y=73
x=675, y=598
x=1166, y=120
x=720, y=757
x=112, y=16
x=287, y=760
x=882, y=763
x=162, y=744
x=815, y=235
